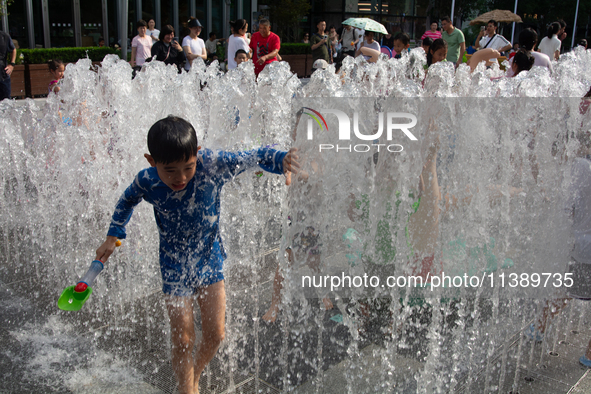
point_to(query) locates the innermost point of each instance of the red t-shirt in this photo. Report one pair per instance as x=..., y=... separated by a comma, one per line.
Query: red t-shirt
x=261, y=46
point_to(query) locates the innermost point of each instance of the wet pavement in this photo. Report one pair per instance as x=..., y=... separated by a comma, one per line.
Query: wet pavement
x=38, y=352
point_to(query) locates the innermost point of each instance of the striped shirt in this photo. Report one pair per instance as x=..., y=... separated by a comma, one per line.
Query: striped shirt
x=496, y=42
x=432, y=35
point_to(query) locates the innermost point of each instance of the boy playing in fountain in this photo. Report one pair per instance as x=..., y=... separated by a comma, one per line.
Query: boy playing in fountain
x=184, y=185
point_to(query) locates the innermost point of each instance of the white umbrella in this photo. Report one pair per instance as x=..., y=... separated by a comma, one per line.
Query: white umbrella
x=366, y=24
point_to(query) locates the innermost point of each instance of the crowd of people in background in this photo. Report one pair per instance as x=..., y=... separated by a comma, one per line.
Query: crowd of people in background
x=328, y=45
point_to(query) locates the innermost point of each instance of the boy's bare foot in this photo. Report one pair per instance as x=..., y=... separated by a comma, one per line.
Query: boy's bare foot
x=271, y=314
x=327, y=303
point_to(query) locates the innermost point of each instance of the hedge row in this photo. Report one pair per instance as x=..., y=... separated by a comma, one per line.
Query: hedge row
x=67, y=55
x=294, y=49
x=96, y=54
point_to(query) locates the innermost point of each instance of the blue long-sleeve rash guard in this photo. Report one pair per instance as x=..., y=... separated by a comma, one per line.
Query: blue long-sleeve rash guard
x=188, y=220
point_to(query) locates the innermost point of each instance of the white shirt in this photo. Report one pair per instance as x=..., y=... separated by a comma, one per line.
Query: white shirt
x=498, y=42
x=542, y=60
x=195, y=45
x=549, y=46
x=374, y=45
x=211, y=46
x=235, y=44
x=580, y=201
x=153, y=33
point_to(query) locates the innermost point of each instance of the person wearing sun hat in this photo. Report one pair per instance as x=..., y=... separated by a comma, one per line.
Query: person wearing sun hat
x=320, y=64
x=194, y=46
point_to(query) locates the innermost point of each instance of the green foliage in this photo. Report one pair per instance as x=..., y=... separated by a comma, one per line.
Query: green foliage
x=470, y=34
x=4, y=6
x=294, y=49
x=285, y=17
x=67, y=55
x=220, y=53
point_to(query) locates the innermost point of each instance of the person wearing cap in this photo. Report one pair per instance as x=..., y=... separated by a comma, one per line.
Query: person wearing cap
x=265, y=46
x=194, y=46
x=168, y=50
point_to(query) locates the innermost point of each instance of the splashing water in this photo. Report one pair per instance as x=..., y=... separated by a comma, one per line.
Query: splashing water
x=503, y=158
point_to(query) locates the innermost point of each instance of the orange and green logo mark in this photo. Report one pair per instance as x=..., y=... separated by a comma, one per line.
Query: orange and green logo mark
x=315, y=115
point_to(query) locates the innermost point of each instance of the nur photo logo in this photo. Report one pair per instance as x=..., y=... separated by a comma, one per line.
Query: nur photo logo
x=396, y=125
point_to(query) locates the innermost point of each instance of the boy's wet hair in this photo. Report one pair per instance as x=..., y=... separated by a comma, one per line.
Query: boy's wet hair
x=172, y=139
x=238, y=52
x=402, y=37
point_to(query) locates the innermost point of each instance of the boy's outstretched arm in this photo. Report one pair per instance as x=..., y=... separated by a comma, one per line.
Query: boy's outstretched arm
x=106, y=249
x=123, y=211
x=271, y=160
x=290, y=164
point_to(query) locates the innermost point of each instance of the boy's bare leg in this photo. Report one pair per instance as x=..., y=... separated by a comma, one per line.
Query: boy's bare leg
x=552, y=308
x=212, y=301
x=271, y=314
x=313, y=261
x=588, y=352
x=180, y=312
x=423, y=225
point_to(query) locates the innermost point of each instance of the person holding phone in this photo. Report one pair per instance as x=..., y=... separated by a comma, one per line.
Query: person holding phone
x=319, y=44
x=488, y=38
x=168, y=50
